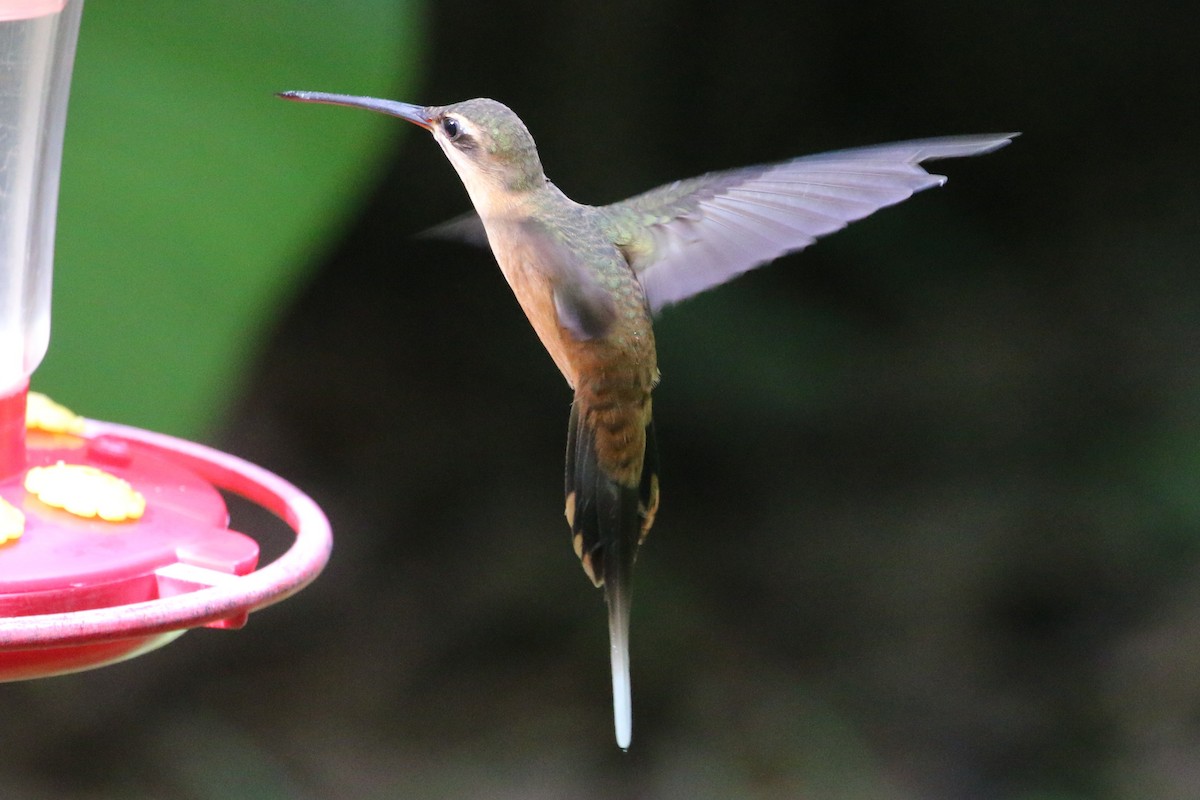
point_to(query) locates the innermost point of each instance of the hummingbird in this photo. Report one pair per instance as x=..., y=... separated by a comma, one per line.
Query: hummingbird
x=592, y=278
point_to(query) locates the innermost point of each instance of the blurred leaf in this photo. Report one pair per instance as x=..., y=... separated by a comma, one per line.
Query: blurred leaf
x=191, y=195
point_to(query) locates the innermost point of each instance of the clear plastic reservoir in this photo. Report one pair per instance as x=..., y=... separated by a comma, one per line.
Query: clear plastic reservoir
x=37, y=49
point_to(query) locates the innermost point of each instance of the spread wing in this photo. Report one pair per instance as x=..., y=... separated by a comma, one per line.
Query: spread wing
x=691, y=235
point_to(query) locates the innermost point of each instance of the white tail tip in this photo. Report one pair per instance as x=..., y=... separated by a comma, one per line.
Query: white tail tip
x=622, y=695
x=618, y=641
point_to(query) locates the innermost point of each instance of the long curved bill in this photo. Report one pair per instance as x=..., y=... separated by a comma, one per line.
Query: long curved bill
x=417, y=115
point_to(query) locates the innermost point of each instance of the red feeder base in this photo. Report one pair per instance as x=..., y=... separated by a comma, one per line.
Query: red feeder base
x=80, y=593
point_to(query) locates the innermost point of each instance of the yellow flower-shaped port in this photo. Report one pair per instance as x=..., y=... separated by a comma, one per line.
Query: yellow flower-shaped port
x=43, y=414
x=85, y=492
x=12, y=522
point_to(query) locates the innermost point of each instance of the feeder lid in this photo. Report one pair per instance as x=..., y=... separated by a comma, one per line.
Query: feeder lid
x=66, y=562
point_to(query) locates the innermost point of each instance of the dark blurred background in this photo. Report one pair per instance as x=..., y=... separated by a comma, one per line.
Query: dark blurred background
x=930, y=523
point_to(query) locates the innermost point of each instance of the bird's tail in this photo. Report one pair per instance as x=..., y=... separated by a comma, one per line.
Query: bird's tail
x=610, y=508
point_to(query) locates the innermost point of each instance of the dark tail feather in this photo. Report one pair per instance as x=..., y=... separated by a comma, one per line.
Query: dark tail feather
x=608, y=521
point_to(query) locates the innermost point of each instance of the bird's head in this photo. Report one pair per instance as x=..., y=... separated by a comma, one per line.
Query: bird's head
x=487, y=143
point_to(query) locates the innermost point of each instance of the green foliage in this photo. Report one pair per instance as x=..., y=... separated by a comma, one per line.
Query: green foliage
x=192, y=198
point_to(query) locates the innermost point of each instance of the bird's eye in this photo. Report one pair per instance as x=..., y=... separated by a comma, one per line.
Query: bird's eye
x=451, y=128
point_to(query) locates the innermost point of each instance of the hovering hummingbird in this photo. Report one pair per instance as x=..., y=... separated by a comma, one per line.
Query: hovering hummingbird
x=591, y=279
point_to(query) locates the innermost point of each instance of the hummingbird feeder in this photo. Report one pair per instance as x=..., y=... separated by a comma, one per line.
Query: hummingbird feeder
x=113, y=540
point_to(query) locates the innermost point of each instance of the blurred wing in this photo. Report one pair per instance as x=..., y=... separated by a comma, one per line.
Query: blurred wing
x=581, y=304
x=692, y=235
x=467, y=228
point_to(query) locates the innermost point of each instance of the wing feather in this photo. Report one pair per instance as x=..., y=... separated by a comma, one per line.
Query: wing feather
x=691, y=235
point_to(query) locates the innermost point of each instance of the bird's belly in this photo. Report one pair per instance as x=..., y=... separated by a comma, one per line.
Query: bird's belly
x=536, y=296
x=625, y=356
